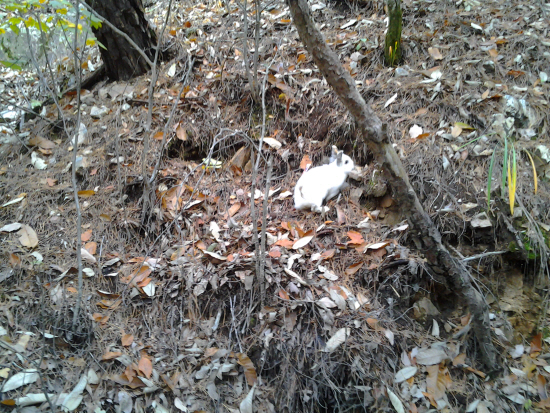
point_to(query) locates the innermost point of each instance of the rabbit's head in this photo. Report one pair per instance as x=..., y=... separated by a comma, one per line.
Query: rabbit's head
x=343, y=162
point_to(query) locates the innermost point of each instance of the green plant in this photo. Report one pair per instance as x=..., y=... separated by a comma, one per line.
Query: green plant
x=509, y=173
x=43, y=20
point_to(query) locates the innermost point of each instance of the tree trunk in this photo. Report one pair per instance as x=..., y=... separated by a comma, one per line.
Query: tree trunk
x=422, y=229
x=122, y=60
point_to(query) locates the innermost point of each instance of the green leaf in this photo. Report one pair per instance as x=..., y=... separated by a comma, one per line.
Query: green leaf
x=504, y=167
x=490, y=179
x=464, y=125
x=11, y=65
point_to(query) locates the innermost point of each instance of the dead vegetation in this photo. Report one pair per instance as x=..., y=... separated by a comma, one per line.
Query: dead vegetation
x=354, y=319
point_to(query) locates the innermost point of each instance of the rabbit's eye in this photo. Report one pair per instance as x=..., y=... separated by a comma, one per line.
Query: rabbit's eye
x=346, y=162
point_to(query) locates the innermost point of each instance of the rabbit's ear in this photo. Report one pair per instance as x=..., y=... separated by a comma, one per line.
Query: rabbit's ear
x=339, y=158
x=334, y=151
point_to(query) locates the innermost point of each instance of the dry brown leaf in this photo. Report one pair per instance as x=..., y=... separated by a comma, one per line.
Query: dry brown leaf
x=127, y=340
x=386, y=202
x=356, y=237
x=249, y=369
x=210, y=351
x=435, y=53
x=158, y=136
x=111, y=355
x=283, y=294
x=493, y=52
x=341, y=217
x=51, y=182
x=14, y=260
x=306, y=160
x=541, y=387
x=72, y=290
x=460, y=359
x=352, y=269
x=91, y=247
x=181, y=133
x=145, y=366
x=328, y=254
x=373, y=323
x=515, y=73
x=275, y=252
x=27, y=236
x=433, y=382
x=86, y=235
x=284, y=243
x=536, y=343
x=234, y=208
x=86, y=194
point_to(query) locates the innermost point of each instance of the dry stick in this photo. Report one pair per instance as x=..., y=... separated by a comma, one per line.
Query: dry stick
x=261, y=278
x=423, y=230
x=146, y=139
x=256, y=58
x=73, y=173
x=78, y=212
x=253, y=89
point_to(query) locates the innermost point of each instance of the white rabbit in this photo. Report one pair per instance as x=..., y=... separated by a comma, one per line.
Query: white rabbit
x=322, y=183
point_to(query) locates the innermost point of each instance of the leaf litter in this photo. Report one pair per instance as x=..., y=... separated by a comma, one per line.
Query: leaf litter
x=335, y=291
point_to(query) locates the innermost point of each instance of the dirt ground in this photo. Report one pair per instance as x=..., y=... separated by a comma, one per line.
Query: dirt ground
x=353, y=319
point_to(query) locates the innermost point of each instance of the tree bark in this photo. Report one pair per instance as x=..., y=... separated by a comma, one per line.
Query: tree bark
x=422, y=229
x=122, y=60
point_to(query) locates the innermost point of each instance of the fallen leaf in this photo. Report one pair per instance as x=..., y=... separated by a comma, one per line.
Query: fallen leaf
x=91, y=247
x=249, y=369
x=337, y=339
x=20, y=379
x=181, y=133
x=27, y=236
x=328, y=254
x=111, y=355
x=536, y=344
x=515, y=73
x=302, y=242
x=127, y=340
x=305, y=162
x=353, y=268
x=234, y=208
x=435, y=53
x=283, y=294
x=86, y=194
x=356, y=237
x=14, y=260
x=145, y=366
x=158, y=136
x=275, y=252
x=86, y=235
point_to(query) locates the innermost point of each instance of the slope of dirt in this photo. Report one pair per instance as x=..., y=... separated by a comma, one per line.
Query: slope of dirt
x=353, y=319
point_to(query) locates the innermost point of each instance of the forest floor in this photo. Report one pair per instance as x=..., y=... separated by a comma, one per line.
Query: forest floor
x=353, y=319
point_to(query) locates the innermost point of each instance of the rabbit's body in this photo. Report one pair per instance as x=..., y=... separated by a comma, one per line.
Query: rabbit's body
x=322, y=183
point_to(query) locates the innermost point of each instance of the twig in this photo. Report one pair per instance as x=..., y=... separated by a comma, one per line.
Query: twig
x=483, y=255
x=147, y=137
x=73, y=173
x=261, y=278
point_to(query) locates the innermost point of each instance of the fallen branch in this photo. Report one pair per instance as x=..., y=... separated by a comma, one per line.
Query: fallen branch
x=373, y=131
